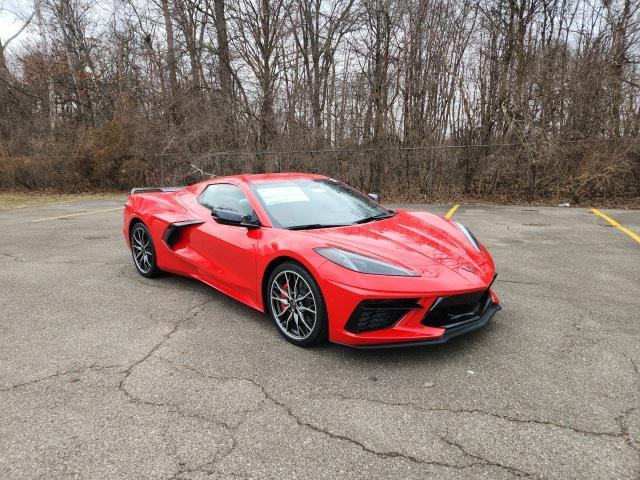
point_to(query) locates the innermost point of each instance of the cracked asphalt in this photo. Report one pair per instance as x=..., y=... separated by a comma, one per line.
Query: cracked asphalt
x=107, y=375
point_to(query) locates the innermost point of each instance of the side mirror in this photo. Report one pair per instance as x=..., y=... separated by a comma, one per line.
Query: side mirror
x=374, y=196
x=231, y=217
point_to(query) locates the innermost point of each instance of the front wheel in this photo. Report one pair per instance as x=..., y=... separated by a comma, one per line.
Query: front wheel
x=297, y=306
x=143, y=251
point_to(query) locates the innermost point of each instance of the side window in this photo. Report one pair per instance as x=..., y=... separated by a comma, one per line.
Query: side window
x=224, y=195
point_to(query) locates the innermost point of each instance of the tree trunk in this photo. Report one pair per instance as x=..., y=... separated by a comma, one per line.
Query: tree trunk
x=224, y=72
x=171, y=60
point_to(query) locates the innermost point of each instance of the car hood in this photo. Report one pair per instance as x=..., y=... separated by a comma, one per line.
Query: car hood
x=419, y=241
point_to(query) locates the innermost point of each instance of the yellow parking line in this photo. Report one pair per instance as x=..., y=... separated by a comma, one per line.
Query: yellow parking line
x=451, y=211
x=623, y=229
x=77, y=214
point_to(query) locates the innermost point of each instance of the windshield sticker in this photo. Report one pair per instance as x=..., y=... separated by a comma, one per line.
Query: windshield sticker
x=276, y=195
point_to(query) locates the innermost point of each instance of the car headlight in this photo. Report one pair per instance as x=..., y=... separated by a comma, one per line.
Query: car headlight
x=469, y=235
x=361, y=263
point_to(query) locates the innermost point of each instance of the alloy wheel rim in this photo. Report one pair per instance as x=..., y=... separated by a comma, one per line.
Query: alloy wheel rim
x=293, y=305
x=142, y=250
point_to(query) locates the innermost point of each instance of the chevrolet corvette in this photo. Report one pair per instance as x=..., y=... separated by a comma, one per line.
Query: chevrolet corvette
x=323, y=260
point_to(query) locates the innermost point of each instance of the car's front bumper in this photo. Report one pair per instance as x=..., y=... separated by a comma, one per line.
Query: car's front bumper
x=413, y=327
x=449, y=333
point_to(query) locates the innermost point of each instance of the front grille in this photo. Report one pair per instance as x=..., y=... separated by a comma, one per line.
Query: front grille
x=448, y=312
x=377, y=314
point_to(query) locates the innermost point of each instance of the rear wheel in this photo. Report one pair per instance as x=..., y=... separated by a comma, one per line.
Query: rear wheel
x=297, y=306
x=143, y=251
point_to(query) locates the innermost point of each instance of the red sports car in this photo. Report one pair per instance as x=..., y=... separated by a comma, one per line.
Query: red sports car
x=320, y=258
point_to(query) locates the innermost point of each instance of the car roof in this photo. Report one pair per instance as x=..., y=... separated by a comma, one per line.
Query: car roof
x=268, y=177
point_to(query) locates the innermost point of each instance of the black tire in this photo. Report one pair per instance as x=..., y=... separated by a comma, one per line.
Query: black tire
x=299, y=310
x=143, y=254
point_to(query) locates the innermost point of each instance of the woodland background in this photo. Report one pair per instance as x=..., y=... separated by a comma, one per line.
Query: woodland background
x=517, y=99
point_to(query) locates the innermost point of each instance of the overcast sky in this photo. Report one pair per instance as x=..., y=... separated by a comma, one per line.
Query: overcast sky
x=12, y=16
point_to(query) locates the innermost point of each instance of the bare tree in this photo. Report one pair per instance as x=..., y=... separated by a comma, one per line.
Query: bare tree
x=260, y=27
x=433, y=97
x=25, y=20
x=318, y=28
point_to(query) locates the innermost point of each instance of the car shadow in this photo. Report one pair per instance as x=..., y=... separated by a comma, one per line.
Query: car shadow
x=456, y=347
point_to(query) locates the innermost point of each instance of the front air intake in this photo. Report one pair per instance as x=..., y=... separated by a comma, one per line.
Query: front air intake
x=378, y=314
x=449, y=312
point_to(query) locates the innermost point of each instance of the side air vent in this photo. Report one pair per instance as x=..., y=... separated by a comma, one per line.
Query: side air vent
x=378, y=314
x=172, y=233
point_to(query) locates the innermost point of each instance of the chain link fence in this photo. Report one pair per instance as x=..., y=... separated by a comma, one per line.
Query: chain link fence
x=544, y=170
x=400, y=172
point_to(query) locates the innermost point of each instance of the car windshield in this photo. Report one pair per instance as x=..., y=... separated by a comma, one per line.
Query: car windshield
x=316, y=203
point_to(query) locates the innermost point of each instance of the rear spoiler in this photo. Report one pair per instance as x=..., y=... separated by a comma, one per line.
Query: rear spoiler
x=155, y=189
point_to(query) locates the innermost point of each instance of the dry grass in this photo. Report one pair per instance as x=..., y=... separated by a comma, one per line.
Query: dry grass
x=13, y=200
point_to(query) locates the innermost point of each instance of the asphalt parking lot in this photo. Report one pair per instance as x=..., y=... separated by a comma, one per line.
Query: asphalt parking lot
x=107, y=375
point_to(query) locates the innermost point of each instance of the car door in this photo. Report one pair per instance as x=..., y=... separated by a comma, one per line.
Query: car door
x=229, y=251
